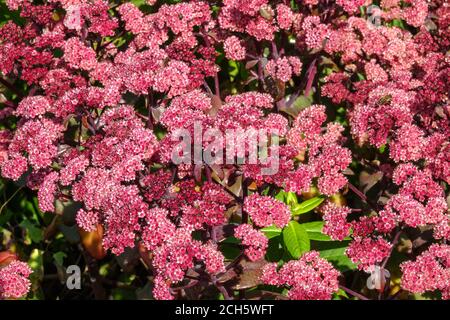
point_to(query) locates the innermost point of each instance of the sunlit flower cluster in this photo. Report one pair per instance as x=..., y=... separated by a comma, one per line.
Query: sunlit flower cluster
x=100, y=92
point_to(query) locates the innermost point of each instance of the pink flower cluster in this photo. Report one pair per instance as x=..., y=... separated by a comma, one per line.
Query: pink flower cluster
x=266, y=211
x=234, y=49
x=419, y=202
x=367, y=252
x=284, y=68
x=96, y=95
x=429, y=272
x=178, y=252
x=14, y=281
x=336, y=225
x=326, y=157
x=309, y=278
x=254, y=241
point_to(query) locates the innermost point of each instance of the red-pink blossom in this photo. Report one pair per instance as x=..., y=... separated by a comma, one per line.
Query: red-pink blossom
x=254, y=241
x=234, y=50
x=87, y=220
x=368, y=252
x=309, y=278
x=266, y=211
x=336, y=225
x=14, y=281
x=429, y=272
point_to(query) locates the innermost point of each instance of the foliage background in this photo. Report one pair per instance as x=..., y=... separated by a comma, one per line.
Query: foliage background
x=50, y=242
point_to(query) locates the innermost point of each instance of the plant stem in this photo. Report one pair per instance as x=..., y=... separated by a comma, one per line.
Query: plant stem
x=216, y=84
x=10, y=198
x=362, y=196
x=394, y=242
x=353, y=293
x=233, y=263
x=150, y=104
x=221, y=288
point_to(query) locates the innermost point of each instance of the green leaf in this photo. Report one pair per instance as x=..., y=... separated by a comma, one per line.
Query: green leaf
x=334, y=252
x=70, y=233
x=398, y=23
x=291, y=199
x=138, y=3
x=58, y=261
x=307, y=205
x=314, y=230
x=7, y=15
x=281, y=196
x=36, y=262
x=35, y=234
x=301, y=102
x=360, y=76
x=296, y=239
x=271, y=231
x=231, y=240
x=59, y=258
x=230, y=251
x=233, y=69
x=275, y=250
x=123, y=294
x=340, y=294
x=5, y=216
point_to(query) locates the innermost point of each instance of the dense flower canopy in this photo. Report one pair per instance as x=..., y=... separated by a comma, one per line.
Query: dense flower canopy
x=100, y=96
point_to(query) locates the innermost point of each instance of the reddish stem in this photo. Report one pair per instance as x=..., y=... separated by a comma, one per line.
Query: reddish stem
x=353, y=293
